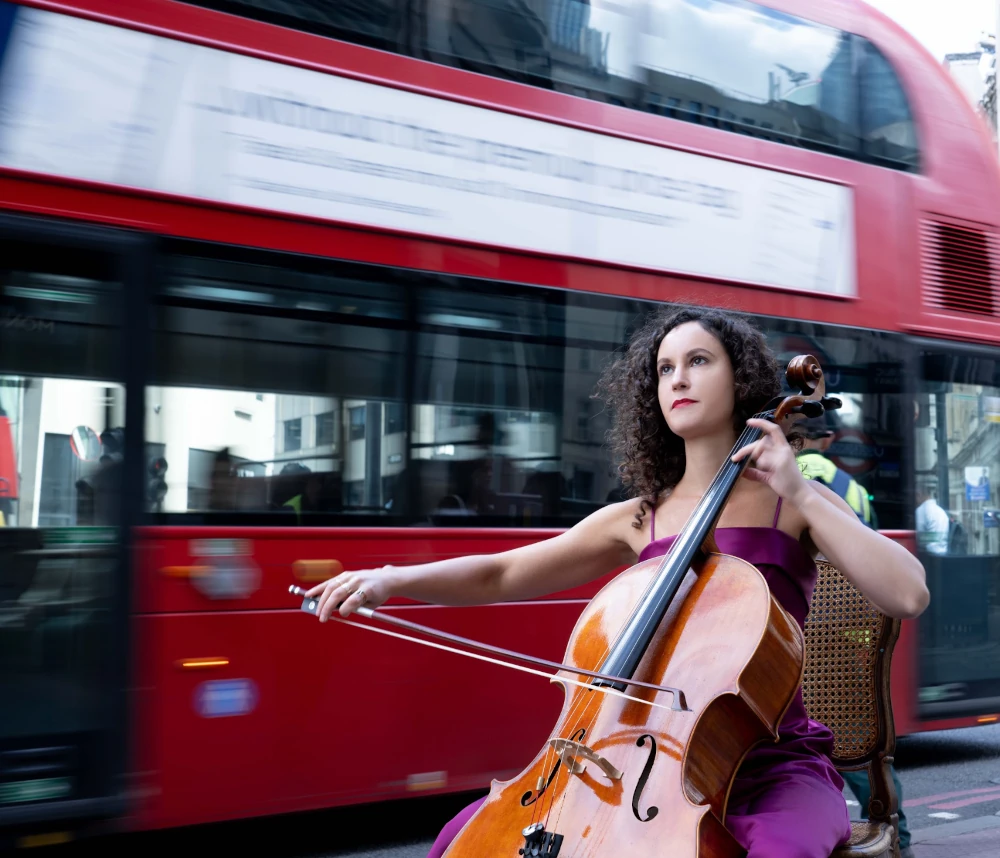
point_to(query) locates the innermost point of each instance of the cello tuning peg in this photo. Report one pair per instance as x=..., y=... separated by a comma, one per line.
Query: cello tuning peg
x=809, y=408
x=831, y=403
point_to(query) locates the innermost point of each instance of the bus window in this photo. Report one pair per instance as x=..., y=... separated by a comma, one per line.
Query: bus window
x=291, y=390
x=576, y=46
x=957, y=518
x=865, y=370
x=888, y=132
x=55, y=363
x=312, y=391
x=62, y=409
x=756, y=62
x=788, y=79
x=271, y=388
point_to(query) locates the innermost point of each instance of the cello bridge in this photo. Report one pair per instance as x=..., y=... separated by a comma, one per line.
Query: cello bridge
x=571, y=753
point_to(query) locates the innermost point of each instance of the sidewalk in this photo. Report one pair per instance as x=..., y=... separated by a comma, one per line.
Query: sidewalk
x=970, y=838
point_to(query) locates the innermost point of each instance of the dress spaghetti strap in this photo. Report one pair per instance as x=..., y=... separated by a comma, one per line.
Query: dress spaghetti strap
x=777, y=514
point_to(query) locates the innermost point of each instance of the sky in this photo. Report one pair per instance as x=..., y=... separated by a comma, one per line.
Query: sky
x=943, y=26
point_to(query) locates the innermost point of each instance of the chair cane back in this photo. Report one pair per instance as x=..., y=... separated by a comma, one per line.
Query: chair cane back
x=849, y=647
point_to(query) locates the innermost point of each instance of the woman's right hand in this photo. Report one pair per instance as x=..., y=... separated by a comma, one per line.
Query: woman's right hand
x=365, y=588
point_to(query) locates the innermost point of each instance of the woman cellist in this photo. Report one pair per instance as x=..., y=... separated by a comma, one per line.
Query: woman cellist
x=681, y=394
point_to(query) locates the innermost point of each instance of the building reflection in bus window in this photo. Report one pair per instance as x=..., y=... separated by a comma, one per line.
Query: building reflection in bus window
x=55, y=469
x=957, y=517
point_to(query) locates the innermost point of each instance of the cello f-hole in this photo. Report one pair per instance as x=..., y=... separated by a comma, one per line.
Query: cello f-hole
x=641, y=785
x=528, y=799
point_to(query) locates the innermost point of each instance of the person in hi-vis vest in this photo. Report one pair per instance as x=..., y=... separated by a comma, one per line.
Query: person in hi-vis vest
x=814, y=464
x=816, y=439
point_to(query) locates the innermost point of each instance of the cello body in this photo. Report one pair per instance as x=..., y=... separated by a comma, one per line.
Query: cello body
x=622, y=778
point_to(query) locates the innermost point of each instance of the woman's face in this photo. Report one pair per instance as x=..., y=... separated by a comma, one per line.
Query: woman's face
x=696, y=388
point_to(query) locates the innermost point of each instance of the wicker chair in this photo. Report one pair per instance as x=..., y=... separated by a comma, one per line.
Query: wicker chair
x=846, y=686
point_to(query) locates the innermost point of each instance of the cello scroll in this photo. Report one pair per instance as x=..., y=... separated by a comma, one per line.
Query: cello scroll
x=805, y=375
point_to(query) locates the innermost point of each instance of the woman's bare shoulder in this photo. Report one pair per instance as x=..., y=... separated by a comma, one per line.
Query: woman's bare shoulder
x=626, y=521
x=629, y=509
x=620, y=512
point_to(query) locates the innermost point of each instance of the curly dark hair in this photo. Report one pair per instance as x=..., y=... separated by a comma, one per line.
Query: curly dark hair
x=650, y=457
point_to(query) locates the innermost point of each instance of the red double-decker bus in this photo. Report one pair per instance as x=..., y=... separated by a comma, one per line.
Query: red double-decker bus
x=290, y=287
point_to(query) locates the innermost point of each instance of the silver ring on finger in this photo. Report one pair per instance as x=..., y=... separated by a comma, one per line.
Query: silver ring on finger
x=361, y=594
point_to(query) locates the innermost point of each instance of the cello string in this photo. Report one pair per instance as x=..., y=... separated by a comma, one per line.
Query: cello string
x=564, y=796
x=728, y=471
x=722, y=475
x=740, y=443
x=545, y=801
x=553, y=788
x=582, y=702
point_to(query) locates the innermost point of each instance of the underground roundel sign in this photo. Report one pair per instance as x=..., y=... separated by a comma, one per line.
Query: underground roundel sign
x=853, y=451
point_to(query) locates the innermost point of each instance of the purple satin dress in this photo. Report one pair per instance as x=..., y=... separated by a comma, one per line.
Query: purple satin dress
x=787, y=798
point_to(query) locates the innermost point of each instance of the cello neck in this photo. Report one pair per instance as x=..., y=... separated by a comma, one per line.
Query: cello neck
x=701, y=524
x=628, y=650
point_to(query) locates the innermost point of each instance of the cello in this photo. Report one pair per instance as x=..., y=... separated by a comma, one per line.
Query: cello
x=674, y=671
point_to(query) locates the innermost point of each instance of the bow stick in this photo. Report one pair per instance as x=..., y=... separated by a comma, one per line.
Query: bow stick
x=679, y=704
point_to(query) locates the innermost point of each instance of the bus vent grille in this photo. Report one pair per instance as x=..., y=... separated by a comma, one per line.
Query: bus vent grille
x=960, y=268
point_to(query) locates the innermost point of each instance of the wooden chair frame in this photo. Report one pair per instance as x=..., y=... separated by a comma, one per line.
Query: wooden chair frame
x=849, y=646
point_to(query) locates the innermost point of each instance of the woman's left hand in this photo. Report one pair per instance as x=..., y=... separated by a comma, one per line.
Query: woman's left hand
x=773, y=462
